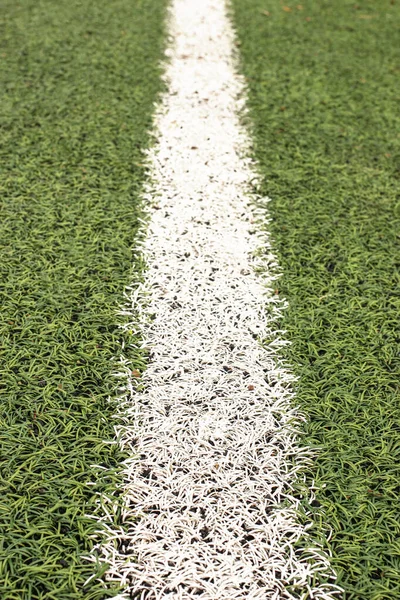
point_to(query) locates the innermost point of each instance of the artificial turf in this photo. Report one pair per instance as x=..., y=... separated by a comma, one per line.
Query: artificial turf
x=324, y=106
x=78, y=79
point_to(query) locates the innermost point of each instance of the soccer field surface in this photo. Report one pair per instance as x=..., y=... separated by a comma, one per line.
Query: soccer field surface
x=324, y=103
x=78, y=86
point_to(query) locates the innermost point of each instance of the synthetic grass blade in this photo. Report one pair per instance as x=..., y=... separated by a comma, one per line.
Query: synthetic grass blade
x=209, y=510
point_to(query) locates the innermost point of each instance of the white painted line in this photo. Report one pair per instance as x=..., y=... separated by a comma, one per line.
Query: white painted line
x=212, y=433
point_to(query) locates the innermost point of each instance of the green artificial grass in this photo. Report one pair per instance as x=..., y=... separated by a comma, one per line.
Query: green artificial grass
x=324, y=103
x=78, y=79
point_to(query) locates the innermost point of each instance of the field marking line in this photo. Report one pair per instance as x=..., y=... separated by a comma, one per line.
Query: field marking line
x=212, y=428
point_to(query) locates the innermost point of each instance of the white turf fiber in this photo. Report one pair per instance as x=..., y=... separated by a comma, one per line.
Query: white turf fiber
x=212, y=428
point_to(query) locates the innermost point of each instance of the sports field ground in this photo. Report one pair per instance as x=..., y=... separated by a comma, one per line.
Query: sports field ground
x=79, y=82
x=324, y=98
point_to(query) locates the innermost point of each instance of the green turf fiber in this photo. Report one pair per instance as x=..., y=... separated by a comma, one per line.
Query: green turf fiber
x=78, y=79
x=324, y=102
